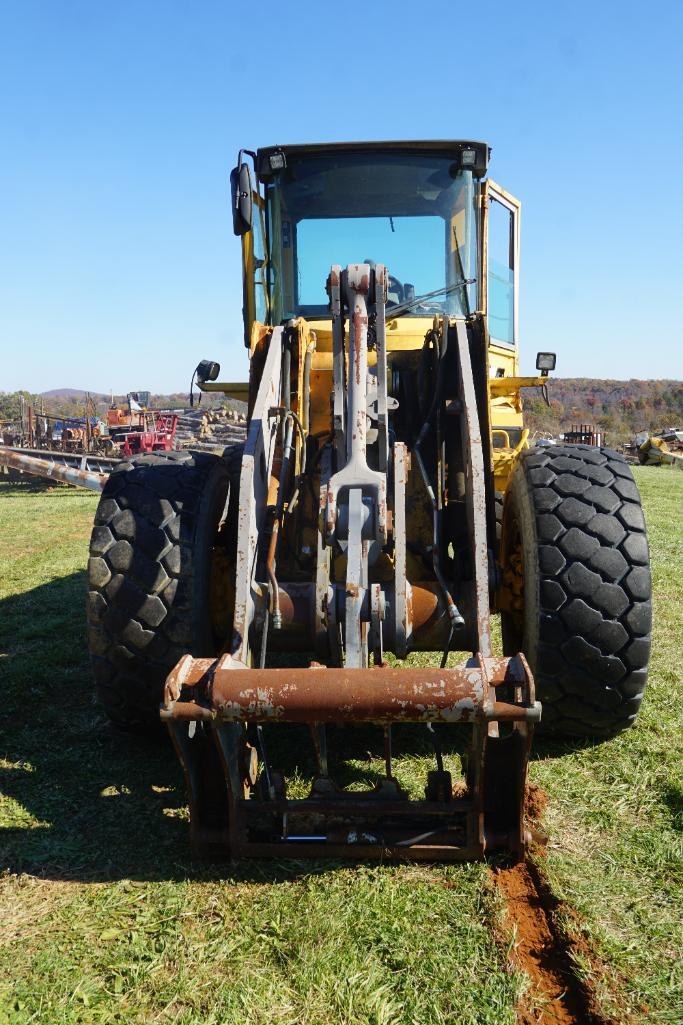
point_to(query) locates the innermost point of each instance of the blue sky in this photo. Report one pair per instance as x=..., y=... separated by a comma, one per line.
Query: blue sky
x=119, y=123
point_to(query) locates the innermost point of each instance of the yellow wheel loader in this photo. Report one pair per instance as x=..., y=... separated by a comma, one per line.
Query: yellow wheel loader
x=385, y=502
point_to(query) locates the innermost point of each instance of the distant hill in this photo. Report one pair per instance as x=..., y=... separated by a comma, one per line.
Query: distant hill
x=71, y=401
x=71, y=394
x=619, y=408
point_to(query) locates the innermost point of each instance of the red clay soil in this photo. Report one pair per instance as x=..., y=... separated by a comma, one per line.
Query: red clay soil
x=545, y=951
x=535, y=802
x=542, y=946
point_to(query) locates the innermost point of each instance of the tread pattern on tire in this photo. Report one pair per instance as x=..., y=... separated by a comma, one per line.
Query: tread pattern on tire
x=594, y=589
x=141, y=577
x=498, y=499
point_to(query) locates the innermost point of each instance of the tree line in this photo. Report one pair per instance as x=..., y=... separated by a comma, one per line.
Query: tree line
x=619, y=408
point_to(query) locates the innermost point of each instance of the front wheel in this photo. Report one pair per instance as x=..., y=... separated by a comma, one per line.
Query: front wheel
x=577, y=595
x=160, y=573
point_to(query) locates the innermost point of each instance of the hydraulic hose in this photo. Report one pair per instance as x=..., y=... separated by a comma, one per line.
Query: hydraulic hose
x=291, y=419
x=455, y=616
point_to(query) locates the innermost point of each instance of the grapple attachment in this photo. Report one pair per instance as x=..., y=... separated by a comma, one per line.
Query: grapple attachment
x=359, y=601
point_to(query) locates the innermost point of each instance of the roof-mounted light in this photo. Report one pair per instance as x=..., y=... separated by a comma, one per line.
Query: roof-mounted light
x=468, y=157
x=277, y=160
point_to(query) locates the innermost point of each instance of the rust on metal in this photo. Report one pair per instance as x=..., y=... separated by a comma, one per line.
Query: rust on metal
x=365, y=596
x=302, y=605
x=475, y=489
x=349, y=695
x=383, y=695
x=52, y=470
x=257, y=461
x=380, y=823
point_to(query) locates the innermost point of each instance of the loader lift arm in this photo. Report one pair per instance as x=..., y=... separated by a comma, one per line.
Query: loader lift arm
x=209, y=704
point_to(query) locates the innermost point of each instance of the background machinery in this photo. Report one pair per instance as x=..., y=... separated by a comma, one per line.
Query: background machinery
x=140, y=429
x=385, y=503
x=665, y=449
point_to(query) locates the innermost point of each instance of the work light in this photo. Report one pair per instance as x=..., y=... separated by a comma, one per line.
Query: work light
x=545, y=362
x=207, y=370
x=277, y=161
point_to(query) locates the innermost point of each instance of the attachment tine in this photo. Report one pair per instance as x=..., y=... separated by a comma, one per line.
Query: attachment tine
x=387, y=752
x=319, y=737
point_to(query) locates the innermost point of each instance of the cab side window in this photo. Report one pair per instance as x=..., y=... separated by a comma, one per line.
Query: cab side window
x=260, y=296
x=501, y=272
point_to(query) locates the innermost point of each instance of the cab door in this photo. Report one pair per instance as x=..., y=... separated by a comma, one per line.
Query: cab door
x=500, y=221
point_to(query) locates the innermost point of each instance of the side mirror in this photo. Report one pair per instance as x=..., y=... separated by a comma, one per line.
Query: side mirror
x=242, y=201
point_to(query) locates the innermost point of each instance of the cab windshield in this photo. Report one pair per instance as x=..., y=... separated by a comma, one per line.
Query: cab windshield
x=413, y=212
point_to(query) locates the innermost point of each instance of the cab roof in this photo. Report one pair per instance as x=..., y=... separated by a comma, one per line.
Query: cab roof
x=265, y=166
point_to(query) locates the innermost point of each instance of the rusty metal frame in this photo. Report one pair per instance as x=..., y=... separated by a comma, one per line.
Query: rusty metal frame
x=257, y=464
x=402, y=604
x=355, y=472
x=338, y=361
x=322, y=565
x=207, y=729
x=475, y=489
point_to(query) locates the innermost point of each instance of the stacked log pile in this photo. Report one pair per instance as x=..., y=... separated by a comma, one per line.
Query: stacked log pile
x=210, y=429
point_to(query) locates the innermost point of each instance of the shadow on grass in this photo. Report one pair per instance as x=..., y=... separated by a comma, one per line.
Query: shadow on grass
x=15, y=483
x=85, y=801
x=89, y=802
x=672, y=796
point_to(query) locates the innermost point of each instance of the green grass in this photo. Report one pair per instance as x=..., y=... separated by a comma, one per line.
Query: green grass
x=615, y=810
x=104, y=917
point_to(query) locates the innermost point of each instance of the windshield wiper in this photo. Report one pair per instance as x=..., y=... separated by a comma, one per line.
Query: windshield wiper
x=401, y=308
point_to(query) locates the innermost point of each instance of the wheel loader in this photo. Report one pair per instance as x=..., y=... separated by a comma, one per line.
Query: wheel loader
x=335, y=577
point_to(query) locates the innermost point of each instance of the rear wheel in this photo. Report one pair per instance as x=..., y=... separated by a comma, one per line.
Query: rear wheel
x=577, y=588
x=159, y=574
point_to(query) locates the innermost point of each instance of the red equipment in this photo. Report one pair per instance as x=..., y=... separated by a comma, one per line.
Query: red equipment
x=157, y=436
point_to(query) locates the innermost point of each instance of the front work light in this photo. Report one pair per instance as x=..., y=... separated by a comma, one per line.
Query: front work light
x=277, y=161
x=207, y=370
x=545, y=362
x=468, y=158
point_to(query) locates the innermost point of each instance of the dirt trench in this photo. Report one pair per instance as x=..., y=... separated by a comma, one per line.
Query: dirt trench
x=545, y=948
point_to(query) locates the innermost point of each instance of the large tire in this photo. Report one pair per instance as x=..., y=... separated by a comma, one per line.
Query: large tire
x=161, y=524
x=498, y=499
x=575, y=554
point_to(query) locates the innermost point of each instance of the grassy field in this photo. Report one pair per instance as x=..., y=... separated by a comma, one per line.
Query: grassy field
x=104, y=917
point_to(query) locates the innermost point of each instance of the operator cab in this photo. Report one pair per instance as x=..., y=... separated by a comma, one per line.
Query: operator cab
x=448, y=236
x=411, y=208
x=414, y=206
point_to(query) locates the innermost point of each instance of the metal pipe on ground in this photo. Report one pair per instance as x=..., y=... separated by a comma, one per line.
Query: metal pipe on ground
x=52, y=471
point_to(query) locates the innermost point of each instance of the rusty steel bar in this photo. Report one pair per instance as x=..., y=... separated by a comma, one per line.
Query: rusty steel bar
x=384, y=695
x=53, y=471
x=79, y=460
x=357, y=287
